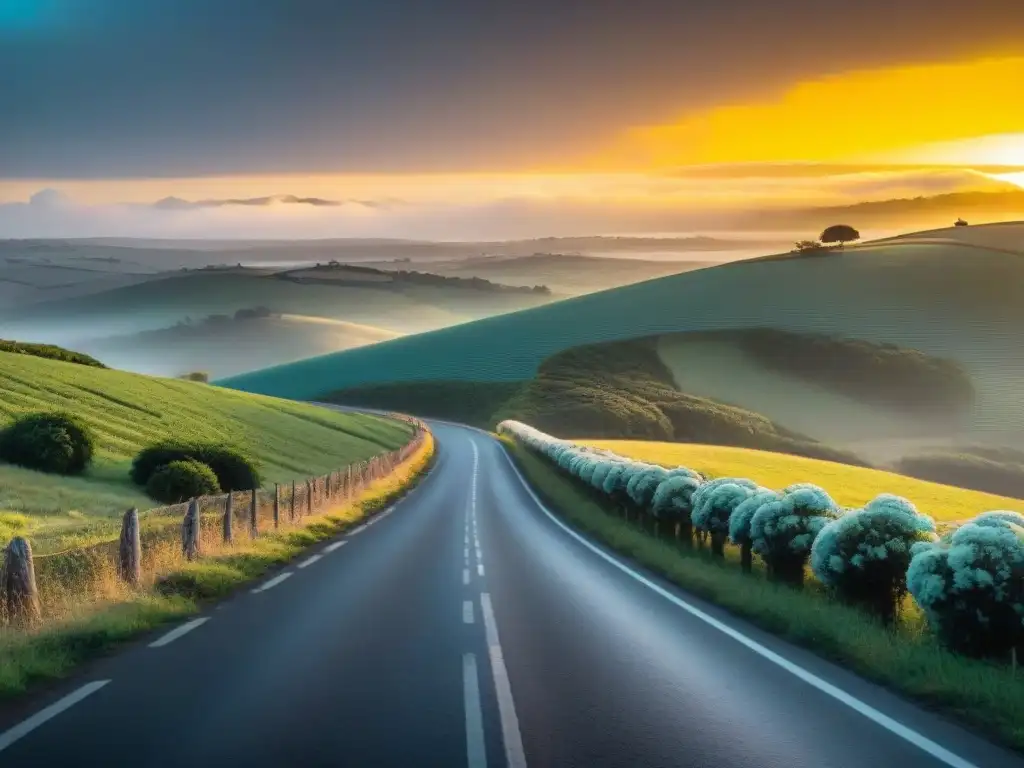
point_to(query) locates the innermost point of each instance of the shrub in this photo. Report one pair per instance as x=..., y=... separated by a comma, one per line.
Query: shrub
x=643, y=484
x=971, y=587
x=713, y=504
x=182, y=480
x=201, y=376
x=783, y=530
x=58, y=443
x=864, y=555
x=673, y=501
x=739, y=523
x=50, y=352
x=234, y=470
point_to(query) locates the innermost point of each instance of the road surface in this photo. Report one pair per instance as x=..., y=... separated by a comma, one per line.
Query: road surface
x=468, y=627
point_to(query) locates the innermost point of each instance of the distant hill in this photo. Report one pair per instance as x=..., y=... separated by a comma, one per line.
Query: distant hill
x=563, y=273
x=940, y=297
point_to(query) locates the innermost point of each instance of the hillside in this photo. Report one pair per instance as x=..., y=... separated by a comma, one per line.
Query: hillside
x=849, y=486
x=224, y=345
x=376, y=305
x=943, y=299
x=128, y=411
x=569, y=274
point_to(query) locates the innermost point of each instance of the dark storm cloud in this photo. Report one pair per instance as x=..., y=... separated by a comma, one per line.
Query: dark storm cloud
x=122, y=88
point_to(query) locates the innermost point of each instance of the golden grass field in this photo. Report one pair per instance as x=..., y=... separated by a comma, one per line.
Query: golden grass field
x=849, y=486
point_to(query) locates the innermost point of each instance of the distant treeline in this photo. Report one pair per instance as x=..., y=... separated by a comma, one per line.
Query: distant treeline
x=49, y=351
x=428, y=278
x=241, y=315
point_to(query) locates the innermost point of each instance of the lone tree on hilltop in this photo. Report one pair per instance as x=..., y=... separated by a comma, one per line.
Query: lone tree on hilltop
x=960, y=223
x=840, y=233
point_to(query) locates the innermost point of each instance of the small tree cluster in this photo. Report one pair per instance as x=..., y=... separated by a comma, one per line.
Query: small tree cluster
x=234, y=470
x=782, y=530
x=182, y=480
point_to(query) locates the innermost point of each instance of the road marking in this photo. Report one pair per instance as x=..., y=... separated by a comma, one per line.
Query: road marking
x=465, y=575
x=476, y=755
x=467, y=611
x=480, y=569
x=177, y=632
x=336, y=545
x=514, y=753
x=919, y=740
x=309, y=561
x=26, y=727
x=465, y=553
x=360, y=529
x=272, y=583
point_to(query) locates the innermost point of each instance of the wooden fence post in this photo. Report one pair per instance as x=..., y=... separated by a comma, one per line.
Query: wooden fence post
x=291, y=512
x=309, y=497
x=253, y=527
x=228, y=515
x=190, y=531
x=129, y=553
x=20, y=598
x=277, y=506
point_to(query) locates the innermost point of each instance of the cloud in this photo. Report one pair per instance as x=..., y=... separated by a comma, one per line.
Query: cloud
x=178, y=204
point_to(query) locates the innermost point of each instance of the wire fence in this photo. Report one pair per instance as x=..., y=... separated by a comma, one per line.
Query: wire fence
x=29, y=585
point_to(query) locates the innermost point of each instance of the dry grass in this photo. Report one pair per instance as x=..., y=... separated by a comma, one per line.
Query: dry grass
x=87, y=609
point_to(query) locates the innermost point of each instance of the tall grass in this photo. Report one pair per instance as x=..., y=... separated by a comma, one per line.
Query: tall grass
x=906, y=658
x=87, y=609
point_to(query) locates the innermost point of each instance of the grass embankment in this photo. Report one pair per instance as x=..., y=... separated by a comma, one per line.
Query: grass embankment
x=849, y=486
x=127, y=412
x=172, y=588
x=907, y=658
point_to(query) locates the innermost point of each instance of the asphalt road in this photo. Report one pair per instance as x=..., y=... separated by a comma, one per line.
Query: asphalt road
x=467, y=627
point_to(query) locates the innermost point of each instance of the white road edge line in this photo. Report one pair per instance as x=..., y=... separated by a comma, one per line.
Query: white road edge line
x=514, y=753
x=467, y=611
x=26, y=727
x=309, y=561
x=177, y=632
x=919, y=740
x=272, y=583
x=465, y=575
x=360, y=529
x=476, y=754
x=336, y=545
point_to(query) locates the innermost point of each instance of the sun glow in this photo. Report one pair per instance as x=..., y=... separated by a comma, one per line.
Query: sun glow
x=859, y=116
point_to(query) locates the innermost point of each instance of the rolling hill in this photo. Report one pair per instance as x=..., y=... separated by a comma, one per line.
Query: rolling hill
x=128, y=411
x=945, y=299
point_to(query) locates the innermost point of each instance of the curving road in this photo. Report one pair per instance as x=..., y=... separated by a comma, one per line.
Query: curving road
x=468, y=627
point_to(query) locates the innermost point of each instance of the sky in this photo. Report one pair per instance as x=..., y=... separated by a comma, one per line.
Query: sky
x=460, y=111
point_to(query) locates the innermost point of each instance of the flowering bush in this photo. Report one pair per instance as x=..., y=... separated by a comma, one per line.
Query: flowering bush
x=739, y=522
x=783, y=530
x=971, y=587
x=672, y=501
x=864, y=554
x=714, y=503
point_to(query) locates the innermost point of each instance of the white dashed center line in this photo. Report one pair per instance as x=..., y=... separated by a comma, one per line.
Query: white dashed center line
x=465, y=575
x=467, y=612
x=336, y=545
x=309, y=561
x=26, y=727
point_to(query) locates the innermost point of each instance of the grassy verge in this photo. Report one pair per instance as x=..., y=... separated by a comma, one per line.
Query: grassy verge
x=178, y=588
x=906, y=659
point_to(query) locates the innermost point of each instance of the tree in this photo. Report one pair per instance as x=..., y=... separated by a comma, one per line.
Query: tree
x=840, y=233
x=960, y=223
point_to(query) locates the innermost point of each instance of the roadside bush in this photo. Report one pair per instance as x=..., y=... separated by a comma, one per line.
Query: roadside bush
x=971, y=587
x=234, y=470
x=58, y=443
x=182, y=480
x=864, y=555
x=739, y=523
x=783, y=530
x=673, y=502
x=713, y=505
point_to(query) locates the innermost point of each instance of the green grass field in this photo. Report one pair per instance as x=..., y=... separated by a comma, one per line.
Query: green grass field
x=943, y=298
x=849, y=486
x=907, y=658
x=128, y=411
